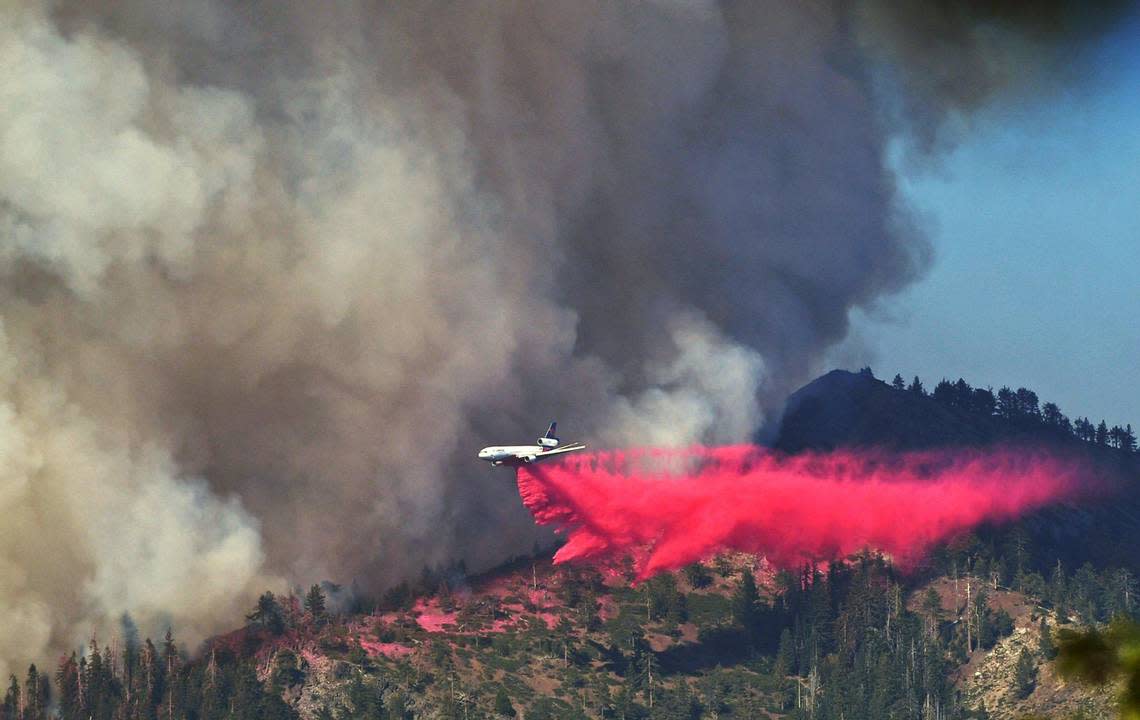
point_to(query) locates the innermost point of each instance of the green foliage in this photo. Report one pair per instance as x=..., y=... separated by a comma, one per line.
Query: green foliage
x=1097, y=657
x=503, y=706
x=1025, y=674
x=149, y=684
x=268, y=614
x=11, y=705
x=698, y=576
x=286, y=672
x=1046, y=646
x=744, y=601
x=849, y=642
x=315, y=604
x=707, y=609
x=1003, y=623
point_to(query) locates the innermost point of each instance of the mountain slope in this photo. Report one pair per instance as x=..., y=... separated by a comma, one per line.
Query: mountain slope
x=845, y=409
x=727, y=638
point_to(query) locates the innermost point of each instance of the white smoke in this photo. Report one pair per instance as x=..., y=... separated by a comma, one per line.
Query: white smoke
x=271, y=272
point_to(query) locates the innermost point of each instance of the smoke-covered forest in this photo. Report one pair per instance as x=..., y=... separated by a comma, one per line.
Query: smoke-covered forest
x=971, y=632
x=852, y=640
x=271, y=271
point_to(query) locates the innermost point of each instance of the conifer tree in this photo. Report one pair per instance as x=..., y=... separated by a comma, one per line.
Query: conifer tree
x=1101, y=437
x=315, y=604
x=31, y=691
x=10, y=709
x=1027, y=404
x=67, y=688
x=396, y=706
x=944, y=392
x=744, y=602
x=1059, y=592
x=1046, y=646
x=982, y=401
x=1007, y=406
x=1084, y=429
x=503, y=706
x=697, y=575
x=898, y=383
x=268, y=614
x=1051, y=414
x=785, y=655
x=1025, y=674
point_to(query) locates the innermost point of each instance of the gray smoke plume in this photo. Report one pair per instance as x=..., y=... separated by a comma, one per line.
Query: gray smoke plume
x=951, y=56
x=270, y=273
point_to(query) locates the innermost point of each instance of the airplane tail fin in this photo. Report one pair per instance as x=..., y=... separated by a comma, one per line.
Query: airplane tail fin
x=548, y=440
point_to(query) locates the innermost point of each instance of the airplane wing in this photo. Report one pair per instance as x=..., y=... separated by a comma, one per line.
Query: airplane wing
x=558, y=451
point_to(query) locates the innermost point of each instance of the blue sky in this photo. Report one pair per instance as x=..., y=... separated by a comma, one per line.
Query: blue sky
x=1035, y=219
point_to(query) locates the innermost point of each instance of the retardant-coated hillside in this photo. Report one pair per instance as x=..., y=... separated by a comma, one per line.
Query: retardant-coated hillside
x=967, y=634
x=845, y=409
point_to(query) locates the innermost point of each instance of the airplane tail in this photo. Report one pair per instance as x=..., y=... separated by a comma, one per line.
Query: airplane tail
x=548, y=440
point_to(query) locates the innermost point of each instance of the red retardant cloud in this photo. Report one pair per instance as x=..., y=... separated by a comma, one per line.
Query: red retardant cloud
x=669, y=508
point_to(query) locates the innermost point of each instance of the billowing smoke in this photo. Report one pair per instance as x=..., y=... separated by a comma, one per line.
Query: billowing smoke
x=952, y=56
x=667, y=509
x=269, y=272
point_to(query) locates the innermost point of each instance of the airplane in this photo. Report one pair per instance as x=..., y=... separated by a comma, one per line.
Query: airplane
x=515, y=455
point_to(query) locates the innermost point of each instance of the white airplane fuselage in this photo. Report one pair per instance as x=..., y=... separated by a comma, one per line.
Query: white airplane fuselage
x=548, y=447
x=508, y=453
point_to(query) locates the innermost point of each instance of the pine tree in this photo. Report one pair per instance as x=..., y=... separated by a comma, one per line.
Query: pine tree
x=32, y=709
x=10, y=709
x=1007, y=407
x=1046, y=646
x=785, y=655
x=1084, y=429
x=172, y=688
x=944, y=392
x=916, y=387
x=982, y=401
x=651, y=673
x=1025, y=676
x=983, y=620
x=35, y=704
x=898, y=383
x=1051, y=414
x=697, y=576
x=1003, y=623
x=744, y=602
x=1101, y=437
x=1059, y=592
x=503, y=706
x=932, y=610
x=67, y=686
x=315, y=604
x=396, y=705
x=1128, y=439
x=1027, y=404
x=1115, y=436
x=268, y=614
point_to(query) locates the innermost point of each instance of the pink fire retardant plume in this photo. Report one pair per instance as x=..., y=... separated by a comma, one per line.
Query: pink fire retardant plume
x=669, y=508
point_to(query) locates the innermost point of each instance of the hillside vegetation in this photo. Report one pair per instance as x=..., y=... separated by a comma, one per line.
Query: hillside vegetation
x=971, y=634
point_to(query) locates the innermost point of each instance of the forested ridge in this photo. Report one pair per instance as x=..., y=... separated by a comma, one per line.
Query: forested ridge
x=857, y=639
